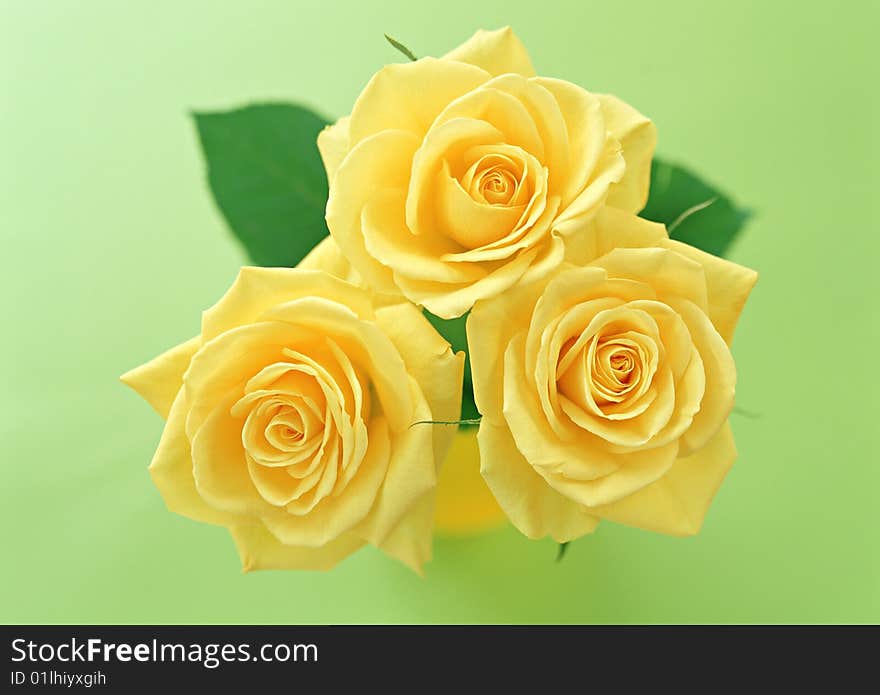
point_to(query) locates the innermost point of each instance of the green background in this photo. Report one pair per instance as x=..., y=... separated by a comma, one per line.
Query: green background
x=111, y=247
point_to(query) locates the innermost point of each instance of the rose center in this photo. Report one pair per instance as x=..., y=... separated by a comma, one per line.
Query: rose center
x=497, y=187
x=495, y=179
x=291, y=434
x=622, y=363
x=616, y=368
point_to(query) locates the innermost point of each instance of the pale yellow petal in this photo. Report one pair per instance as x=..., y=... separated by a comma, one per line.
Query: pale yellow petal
x=592, y=161
x=546, y=452
x=219, y=465
x=450, y=301
x=411, y=473
x=728, y=286
x=362, y=340
x=638, y=137
x=379, y=163
x=222, y=366
x=326, y=256
x=720, y=369
x=498, y=51
x=256, y=290
x=409, y=96
x=446, y=141
x=670, y=274
x=430, y=360
x=609, y=229
x=410, y=541
x=333, y=144
x=677, y=503
x=389, y=241
x=535, y=508
x=172, y=471
x=260, y=550
x=159, y=380
x=490, y=326
x=337, y=515
x=492, y=103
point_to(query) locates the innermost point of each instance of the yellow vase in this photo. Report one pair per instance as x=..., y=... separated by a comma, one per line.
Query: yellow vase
x=465, y=505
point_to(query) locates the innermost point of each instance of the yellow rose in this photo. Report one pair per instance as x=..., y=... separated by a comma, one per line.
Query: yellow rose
x=289, y=419
x=456, y=178
x=605, y=390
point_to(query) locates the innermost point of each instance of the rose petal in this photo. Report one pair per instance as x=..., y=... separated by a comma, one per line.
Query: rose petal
x=429, y=358
x=535, y=508
x=255, y=290
x=333, y=144
x=497, y=52
x=638, y=137
x=728, y=285
x=260, y=550
x=388, y=103
x=411, y=473
x=356, y=183
x=159, y=380
x=172, y=471
x=677, y=503
x=334, y=516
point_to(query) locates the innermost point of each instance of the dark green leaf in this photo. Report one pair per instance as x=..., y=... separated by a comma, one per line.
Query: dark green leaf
x=267, y=178
x=400, y=47
x=675, y=191
x=454, y=332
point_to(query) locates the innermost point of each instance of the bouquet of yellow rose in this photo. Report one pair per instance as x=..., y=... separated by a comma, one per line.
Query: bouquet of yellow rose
x=478, y=296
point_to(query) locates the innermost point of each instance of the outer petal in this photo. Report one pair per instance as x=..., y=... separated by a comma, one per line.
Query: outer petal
x=594, y=159
x=611, y=229
x=159, y=380
x=396, y=98
x=497, y=52
x=333, y=144
x=464, y=502
x=677, y=503
x=256, y=290
x=260, y=550
x=430, y=360
x=727, y=284
x=532, y=505
x=638, y=137
x=411, y=474
x=720, y=370
x=326, y=256
x=389, y=152
x=449, y=302
x=172, y=471
x=670, y=274
x=410, y=541
x=490, y=326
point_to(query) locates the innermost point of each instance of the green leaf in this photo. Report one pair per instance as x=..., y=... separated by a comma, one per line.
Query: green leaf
x=400, y=47
x=454, y=332
x=267, y=178
x=693, y=211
